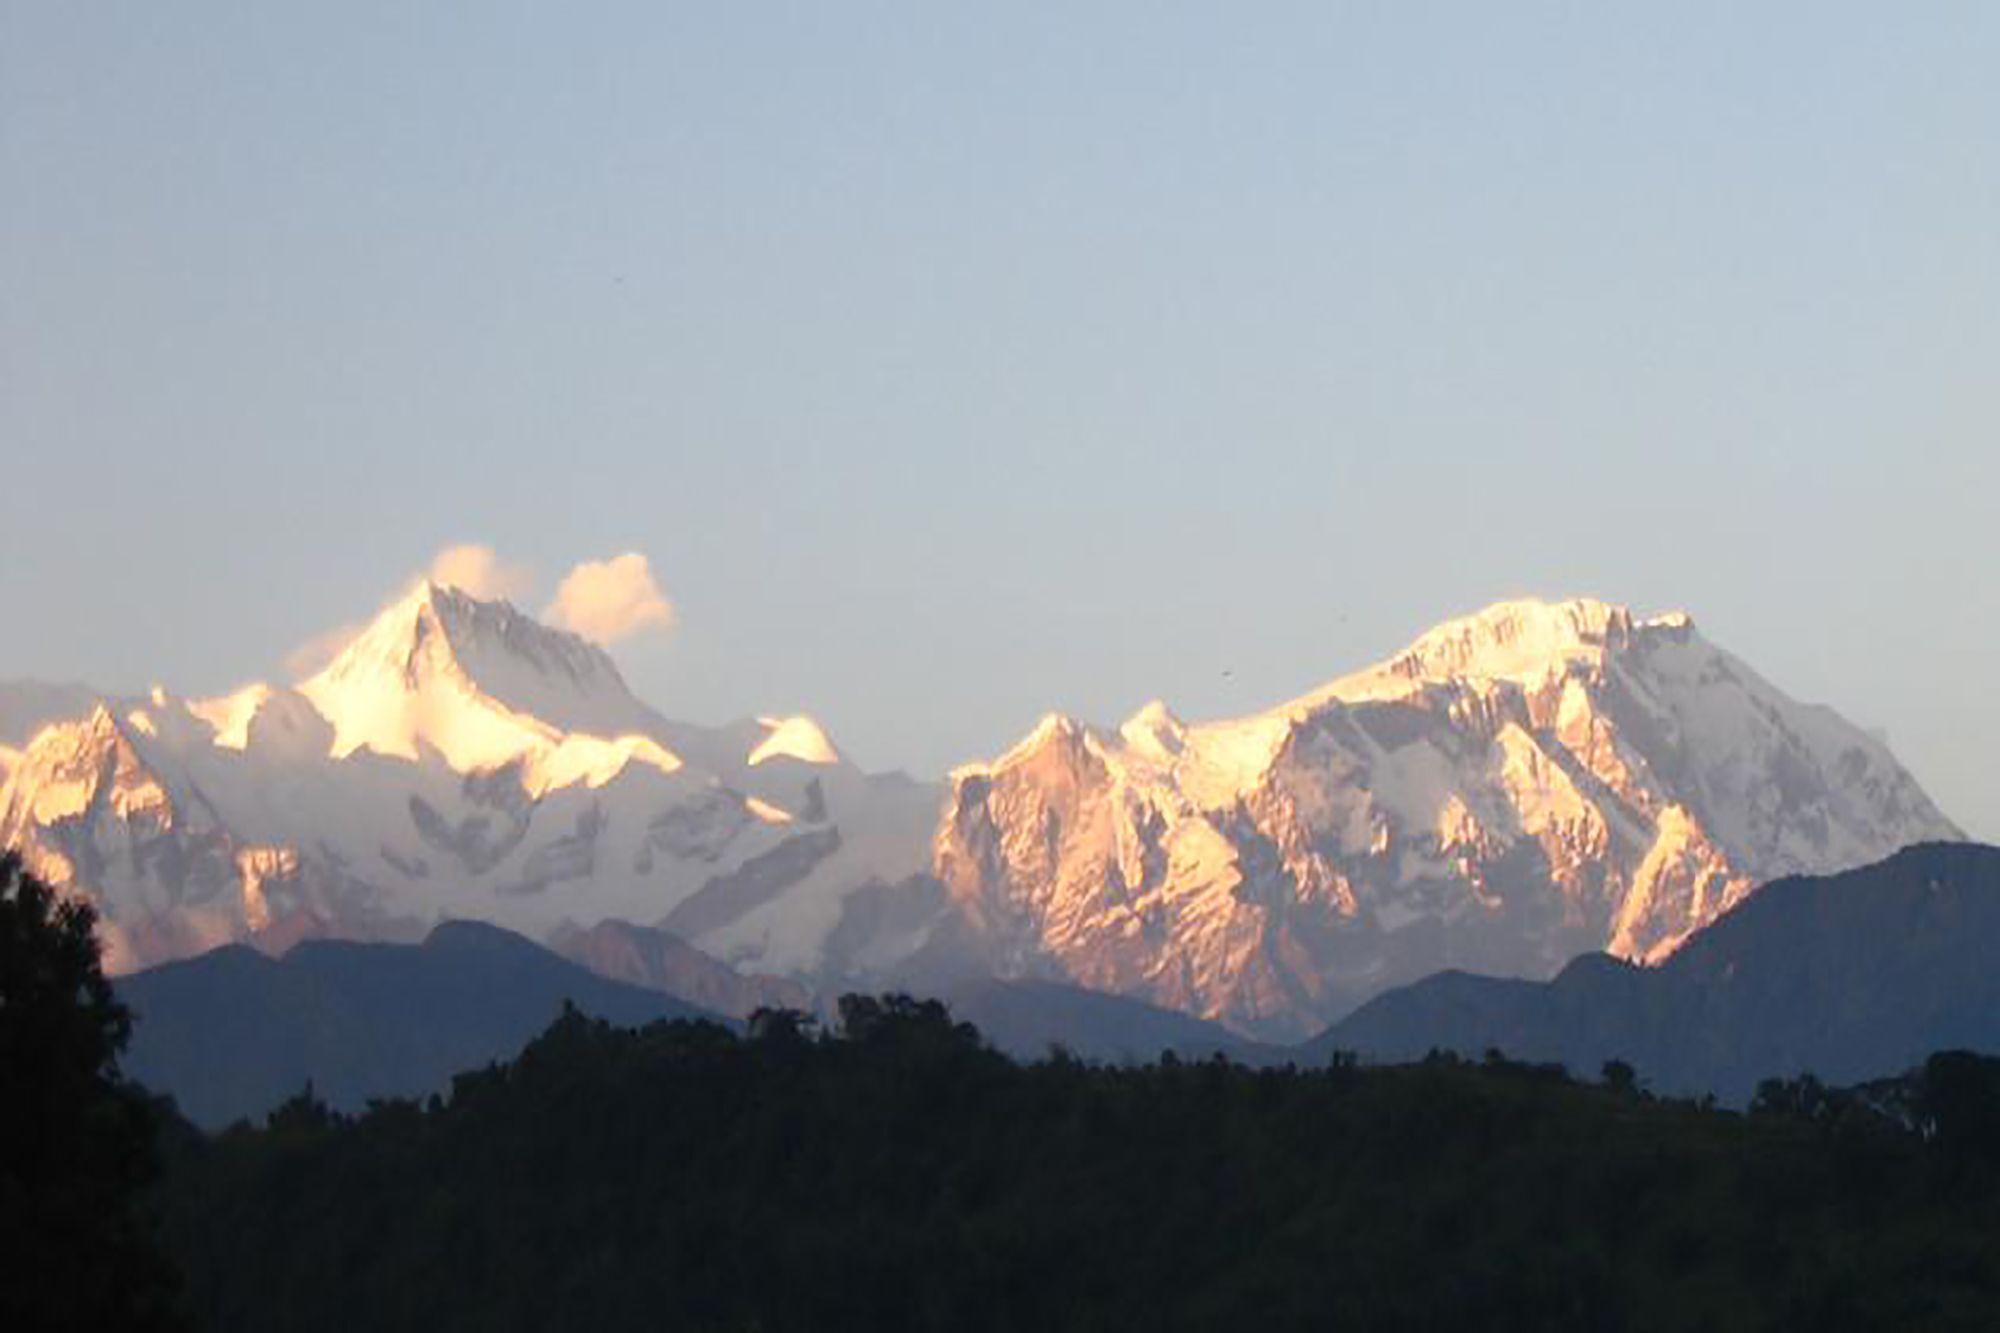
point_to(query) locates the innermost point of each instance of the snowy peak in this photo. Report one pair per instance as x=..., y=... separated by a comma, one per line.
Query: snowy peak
x=1516, y=640
x=1155, y=732
x=796, y=737
x=1057, y=738
x=232, y=715
x=477, y=682
x=1535, y=780
x=74, y=772
x=26, y=706
x=69, y=766
x=1524, y=642
x=440, y=632
x=559, y=676
x=457, y=759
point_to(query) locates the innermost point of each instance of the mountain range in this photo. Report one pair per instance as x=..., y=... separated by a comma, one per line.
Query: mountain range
x=1518, y=787
x=456, y=761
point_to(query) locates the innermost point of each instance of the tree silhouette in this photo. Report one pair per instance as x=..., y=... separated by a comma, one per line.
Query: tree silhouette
x=1958, y=1104
x=779, y=1026
x=76, y=1140
x=891, y=1172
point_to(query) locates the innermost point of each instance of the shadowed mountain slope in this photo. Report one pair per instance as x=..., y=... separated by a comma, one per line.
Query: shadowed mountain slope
x=232, y=1033
x=1848, y=977
x=1027, y=1019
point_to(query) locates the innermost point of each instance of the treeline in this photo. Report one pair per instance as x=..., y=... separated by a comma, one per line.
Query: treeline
x=897, y=1174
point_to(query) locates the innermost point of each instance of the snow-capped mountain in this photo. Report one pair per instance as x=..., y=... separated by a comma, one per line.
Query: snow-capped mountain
x=1517, y=787
x=457, y=760
x=26, y=706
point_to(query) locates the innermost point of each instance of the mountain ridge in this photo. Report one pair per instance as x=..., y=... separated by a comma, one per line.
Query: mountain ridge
x=456, y=759
x=1515, y=787
x=232, y=1032
x=1851, y=976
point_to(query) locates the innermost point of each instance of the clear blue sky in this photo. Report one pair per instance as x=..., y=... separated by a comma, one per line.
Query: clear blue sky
x=952, y=366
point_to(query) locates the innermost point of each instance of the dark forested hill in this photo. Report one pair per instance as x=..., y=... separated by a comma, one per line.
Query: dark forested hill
x=901, y=1175
x=1848, y=977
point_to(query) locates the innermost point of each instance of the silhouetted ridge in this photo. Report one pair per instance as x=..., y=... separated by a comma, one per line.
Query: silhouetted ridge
x=232, y=1033
x=459, y=936
x=1847, y=976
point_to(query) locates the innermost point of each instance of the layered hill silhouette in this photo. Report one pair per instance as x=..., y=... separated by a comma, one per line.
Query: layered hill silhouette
x=233, y=1033
x=1847, y=977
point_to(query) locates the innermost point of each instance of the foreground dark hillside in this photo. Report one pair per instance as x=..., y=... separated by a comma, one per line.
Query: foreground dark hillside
x=904, y=1176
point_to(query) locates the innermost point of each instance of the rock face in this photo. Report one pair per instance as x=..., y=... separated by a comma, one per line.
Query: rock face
x=1516, y=788
x=456, y=761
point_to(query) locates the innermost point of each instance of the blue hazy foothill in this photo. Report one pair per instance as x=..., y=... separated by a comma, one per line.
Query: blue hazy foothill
x=233, y=1033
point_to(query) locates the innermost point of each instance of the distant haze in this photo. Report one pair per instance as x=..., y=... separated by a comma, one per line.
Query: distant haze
x=928, y=369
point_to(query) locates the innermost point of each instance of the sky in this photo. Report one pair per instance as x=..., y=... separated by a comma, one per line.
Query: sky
x=947, y=365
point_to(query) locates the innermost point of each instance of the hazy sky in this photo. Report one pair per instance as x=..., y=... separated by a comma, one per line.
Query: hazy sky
x=954, y=366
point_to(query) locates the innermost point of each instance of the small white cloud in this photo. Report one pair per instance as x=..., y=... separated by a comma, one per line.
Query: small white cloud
x=609, y=600
x=479, y=570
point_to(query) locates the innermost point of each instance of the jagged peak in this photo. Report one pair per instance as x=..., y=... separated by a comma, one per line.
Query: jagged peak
x=96, y=723
x=1510, y=637
x=479, y=681
x=442, y=618
x=1155, y=732
x=1156, y=712
x=58, y=774
x=1524, y=640
x=1052, y=729
x=1675, y=619
x=796, y=737
x=230, y=715
x=100, y=723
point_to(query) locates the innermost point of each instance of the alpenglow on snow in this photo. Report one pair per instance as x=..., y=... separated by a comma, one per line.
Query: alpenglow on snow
x=1517, y=787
